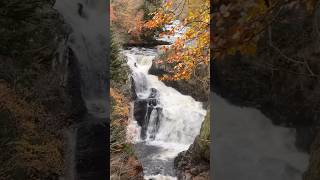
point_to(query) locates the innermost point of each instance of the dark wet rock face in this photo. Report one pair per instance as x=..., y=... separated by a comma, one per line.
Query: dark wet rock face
x=133, y=90
x=74, y=86
x=186, y=87
x=158, y=69
x=91, y=151
x=140, y=111
x=145, y=44
x=313, y=172
x=194, y=164
x=143, y=109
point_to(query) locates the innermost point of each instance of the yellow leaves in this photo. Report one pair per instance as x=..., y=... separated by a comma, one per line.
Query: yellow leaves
x=119, y=109
x=190, y=34
x=193, y=46
x=36, y=150
x=159, y=19
x=169, y=4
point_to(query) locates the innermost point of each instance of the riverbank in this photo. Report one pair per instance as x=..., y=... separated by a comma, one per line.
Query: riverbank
x=157, y=121
x=123, y=161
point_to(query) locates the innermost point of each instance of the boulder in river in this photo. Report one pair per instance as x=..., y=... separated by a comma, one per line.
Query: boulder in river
x=195, y=162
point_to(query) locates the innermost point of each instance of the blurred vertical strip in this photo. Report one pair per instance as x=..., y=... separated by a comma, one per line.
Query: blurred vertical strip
x=211, y=88
x=108, y=84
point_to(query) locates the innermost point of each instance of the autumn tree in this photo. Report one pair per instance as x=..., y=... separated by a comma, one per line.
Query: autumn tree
x=126, y=18
x=192, y=49
x=236, y=26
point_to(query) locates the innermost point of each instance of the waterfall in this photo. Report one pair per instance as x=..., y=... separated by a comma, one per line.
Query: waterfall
x=168, y=120
x=87, y=20
x=248, y=146
x=88, y=40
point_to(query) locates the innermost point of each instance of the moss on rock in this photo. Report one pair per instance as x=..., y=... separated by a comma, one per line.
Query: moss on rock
x=195, y=162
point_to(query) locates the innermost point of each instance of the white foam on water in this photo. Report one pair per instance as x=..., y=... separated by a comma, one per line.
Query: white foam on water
x=248, y=146
x=88, y=41
x=159, y=177
x=181, y=115
x=133, y=129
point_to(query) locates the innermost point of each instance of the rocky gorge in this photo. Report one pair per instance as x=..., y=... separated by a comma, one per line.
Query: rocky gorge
x=193, y=163
x=282, y=80
x=41, y=72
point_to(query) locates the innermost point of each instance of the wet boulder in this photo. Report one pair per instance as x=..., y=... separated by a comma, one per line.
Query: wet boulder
x=140, y=111
x=195, y=162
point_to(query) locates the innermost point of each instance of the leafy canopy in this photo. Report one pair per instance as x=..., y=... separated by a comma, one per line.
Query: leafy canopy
x=192, y=49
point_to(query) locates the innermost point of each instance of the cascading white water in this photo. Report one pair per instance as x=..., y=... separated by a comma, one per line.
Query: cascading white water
x=88, y=40
x=248, y=146
x=180, y=118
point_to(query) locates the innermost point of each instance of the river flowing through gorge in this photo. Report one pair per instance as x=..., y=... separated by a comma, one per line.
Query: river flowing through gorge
x=164, y=122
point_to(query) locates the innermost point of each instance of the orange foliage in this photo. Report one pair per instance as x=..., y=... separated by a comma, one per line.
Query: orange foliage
x=238, y=24
x=112, y=15
x=126, y=17
x=192, y=49
x=36, y=150
x=121, y=109
x=236, y=27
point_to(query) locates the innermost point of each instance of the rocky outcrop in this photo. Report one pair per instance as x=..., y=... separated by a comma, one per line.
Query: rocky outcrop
x=313, y=172
x=158, y=69
x=142, y=112
x=34, y=67
x=146, y=44
x=187, y=87
x=194, y=164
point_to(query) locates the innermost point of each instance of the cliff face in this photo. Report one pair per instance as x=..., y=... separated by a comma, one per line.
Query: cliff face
x=194, y=164
x=40, y=90
x=198, y=81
